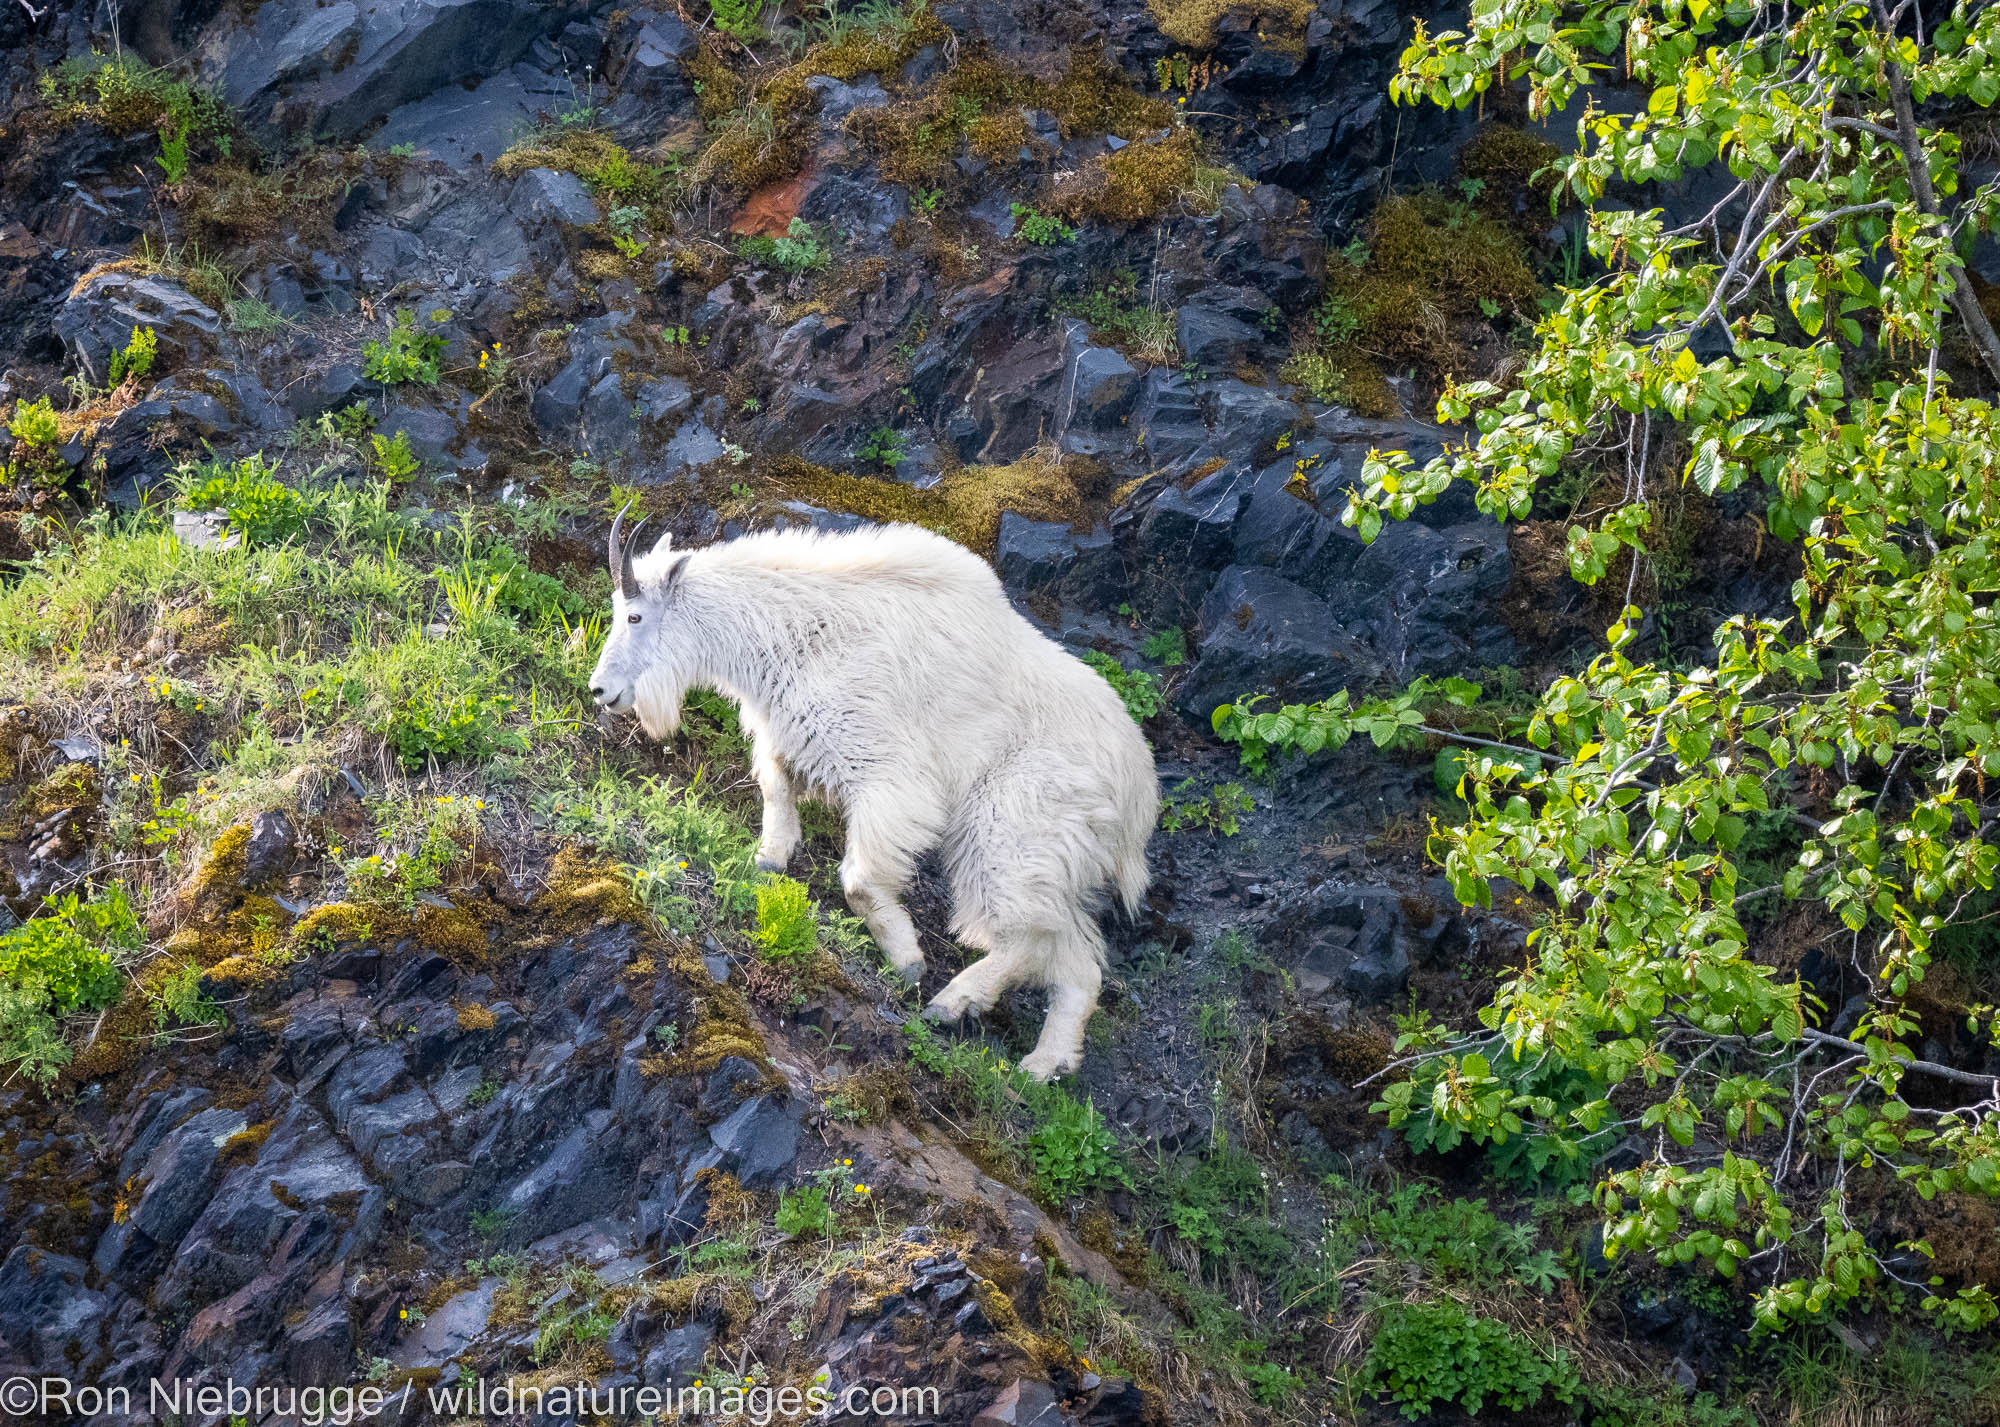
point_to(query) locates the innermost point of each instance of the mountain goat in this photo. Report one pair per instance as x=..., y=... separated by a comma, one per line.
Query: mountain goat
x=884, y=668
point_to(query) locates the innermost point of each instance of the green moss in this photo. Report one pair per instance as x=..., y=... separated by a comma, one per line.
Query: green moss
x=965, y=506
x=74, y=785
x=1431, y=266
x=593, y=156
x=1508, y=163
x=1137, y=182
x=1193, y=22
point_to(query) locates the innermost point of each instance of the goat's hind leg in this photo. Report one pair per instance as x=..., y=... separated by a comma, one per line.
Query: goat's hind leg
x=1011, y=961
x=1071, y=1000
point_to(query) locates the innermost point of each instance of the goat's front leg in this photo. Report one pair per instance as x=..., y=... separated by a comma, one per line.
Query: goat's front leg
x=780, y=837
x=874, y=894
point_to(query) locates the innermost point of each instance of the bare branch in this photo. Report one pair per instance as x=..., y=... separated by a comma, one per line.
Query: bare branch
x=1926, y=1067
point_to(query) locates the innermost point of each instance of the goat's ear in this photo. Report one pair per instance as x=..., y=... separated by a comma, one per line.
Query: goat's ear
x=673, y=578
x=664, y=543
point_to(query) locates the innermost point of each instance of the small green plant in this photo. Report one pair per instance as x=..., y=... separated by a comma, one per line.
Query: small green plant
x=1425, y=1354
x=804, y=1213
x=1042, y=229
x=34, y=423
x=256, y=316
x=1139, y=689
x=882, y=447
x=393, y=456
x=1215, y=809
x=178, y=1000
x=262, y=508
x=625, y=222
x=741, y=20
x=483, y=1093
x=1166, y=647
x=491, y=1223
x=174, y=152
x=798, y=252
x=1072, y=1149
x=434, y=723
x=787, y=927
x=136, y=361
x=409, y=354
x=404, y=150
x=64, y=960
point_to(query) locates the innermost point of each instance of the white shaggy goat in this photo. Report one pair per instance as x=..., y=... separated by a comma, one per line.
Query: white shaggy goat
x=885, y=669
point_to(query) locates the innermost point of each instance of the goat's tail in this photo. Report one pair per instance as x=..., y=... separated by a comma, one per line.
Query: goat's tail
x=1129, y=873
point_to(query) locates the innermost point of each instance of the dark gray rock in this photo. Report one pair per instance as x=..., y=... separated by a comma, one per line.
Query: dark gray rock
x=543, y=195
x=269, y=851
x=1184, y=539
x=321, y=1347
x=837, y=100
x=678, y=1355
x=1213, y=340
x=181, y=1173
x=1261, y=632
x=334, y=70
x=1103, y=387
x=574, y=1183
x=100, y=317
x=467, y=127
x=760, y=1140
x=47, y=1313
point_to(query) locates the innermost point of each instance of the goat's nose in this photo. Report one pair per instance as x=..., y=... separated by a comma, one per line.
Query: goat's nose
x=597, y=693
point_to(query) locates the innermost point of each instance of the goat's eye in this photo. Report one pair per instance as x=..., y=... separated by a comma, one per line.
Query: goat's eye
x=631, y=619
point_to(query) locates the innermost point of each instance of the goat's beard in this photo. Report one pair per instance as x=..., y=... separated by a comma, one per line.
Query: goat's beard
x=656, y=700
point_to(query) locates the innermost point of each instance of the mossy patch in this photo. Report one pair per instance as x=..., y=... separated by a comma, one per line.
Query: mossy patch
x=965, y=505
x=242, y=1147
x=1511, y=165
x=1137, y=182
x=1431, y=267
x=74, y=785
x=1281, y=23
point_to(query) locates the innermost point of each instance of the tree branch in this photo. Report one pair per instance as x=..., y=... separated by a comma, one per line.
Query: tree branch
x=1927, y=1067
x=1964, y=301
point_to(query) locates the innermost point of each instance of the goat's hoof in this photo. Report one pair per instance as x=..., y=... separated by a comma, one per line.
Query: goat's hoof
x=1047, y=1065
x=940, y=1014
x=770, y=864
x=910, y=971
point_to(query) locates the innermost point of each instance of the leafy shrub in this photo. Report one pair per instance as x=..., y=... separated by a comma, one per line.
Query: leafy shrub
x=522, y=591
x=1042, y=229
x=1428, y=1353
x=739, y=19
x=1166, y=647
x=787, y=928
x=1071, y=1149
x=68, y=948
x=35, y=423
x=882, y=447
x=263, y=508
x=173, y=156
x=136, y=361
x=410, y=354
x=56, y=963
x=798, y=251
x=178, y=1000
x=1139, y=689
x=1216, y=809
x=436, y=724
x=393, y=455
x=804, y=1213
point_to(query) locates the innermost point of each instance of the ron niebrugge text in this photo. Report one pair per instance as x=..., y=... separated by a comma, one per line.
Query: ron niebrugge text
x=472, y=1397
